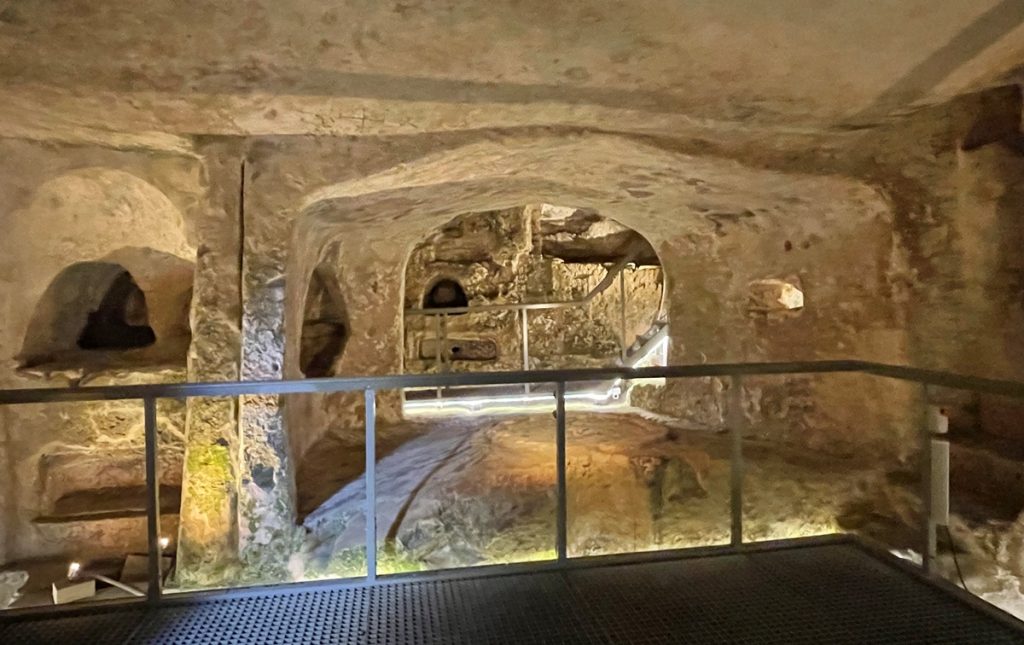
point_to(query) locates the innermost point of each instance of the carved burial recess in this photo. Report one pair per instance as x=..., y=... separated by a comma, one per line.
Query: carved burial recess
x=324, y=326
x=445, y=293
x=123, y=312
x=461, y=349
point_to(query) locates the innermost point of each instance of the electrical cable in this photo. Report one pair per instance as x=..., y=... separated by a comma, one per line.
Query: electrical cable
x=956, y=561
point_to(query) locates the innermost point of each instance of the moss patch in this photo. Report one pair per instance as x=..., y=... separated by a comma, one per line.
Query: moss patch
x=208, y=471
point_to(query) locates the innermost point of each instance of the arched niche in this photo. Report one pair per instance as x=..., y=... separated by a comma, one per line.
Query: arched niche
x=536, y=254
x=121, y=320
x=445, y=293
x=130, y=309
x=325, y=325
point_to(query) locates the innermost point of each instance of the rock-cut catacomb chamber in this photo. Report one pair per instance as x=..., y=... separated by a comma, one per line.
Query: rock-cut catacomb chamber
x=534, y=287
x=614, y=187
x=270, y=488
x=466, y=474
x=602, y=284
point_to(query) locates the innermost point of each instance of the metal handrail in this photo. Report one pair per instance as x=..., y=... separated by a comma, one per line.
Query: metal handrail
x=735, y=419
x=1008, y=388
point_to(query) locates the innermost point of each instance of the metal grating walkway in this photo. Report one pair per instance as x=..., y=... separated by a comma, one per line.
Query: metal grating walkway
x=819, y=594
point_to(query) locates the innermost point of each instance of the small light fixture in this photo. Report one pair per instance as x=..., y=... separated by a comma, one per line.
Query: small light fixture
x=164, y=543
x=73, y=570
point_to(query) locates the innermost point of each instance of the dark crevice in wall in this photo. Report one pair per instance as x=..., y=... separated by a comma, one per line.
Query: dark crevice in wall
x=236, y=457
x=121, y=320
x=324, y=326
x=241, y=230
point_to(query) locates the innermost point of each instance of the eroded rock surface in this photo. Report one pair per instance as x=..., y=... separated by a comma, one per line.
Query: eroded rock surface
x=472, y=492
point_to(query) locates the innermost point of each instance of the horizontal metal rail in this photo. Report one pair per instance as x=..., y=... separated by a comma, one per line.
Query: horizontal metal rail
x=398, y=381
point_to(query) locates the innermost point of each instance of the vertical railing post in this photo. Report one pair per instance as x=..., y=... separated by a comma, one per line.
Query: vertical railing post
x=371, y=484
x=438, y=341
x=154, y=551
x=735, y=419
x=561, y=524
x=622, y=313
x=446, y=359
x=928, y=529
x=525, y=334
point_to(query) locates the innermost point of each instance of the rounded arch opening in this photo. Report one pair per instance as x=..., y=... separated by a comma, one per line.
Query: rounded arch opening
x=599, y=285
x=129, y=310
x=121, y=319
x=446, y=293
x=325, y=325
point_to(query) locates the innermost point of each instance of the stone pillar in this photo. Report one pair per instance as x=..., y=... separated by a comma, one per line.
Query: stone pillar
x=373, y=278
x=208, y=534
x=268, y=535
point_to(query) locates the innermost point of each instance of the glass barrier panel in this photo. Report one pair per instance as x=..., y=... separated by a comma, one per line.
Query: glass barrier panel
x=464, y=479
x=262, y=475
x=73, y=498
x=831, y=453
x=327, y=439
x=641, y=474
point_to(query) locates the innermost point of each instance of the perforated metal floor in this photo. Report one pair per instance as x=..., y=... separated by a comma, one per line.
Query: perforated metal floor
x=822, y=594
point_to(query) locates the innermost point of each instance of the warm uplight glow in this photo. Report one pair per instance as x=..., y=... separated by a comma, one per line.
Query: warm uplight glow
x=73, y=570
x=164, y=543
x=516, y=403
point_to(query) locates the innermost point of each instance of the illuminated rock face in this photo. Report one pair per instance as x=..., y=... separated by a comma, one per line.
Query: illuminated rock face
x=793, y=217
x=531, y=254
x=477, y=491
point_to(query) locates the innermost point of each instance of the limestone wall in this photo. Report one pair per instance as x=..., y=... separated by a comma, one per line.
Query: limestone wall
x=207, y=550
x=60, y=206
x=854, y=306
